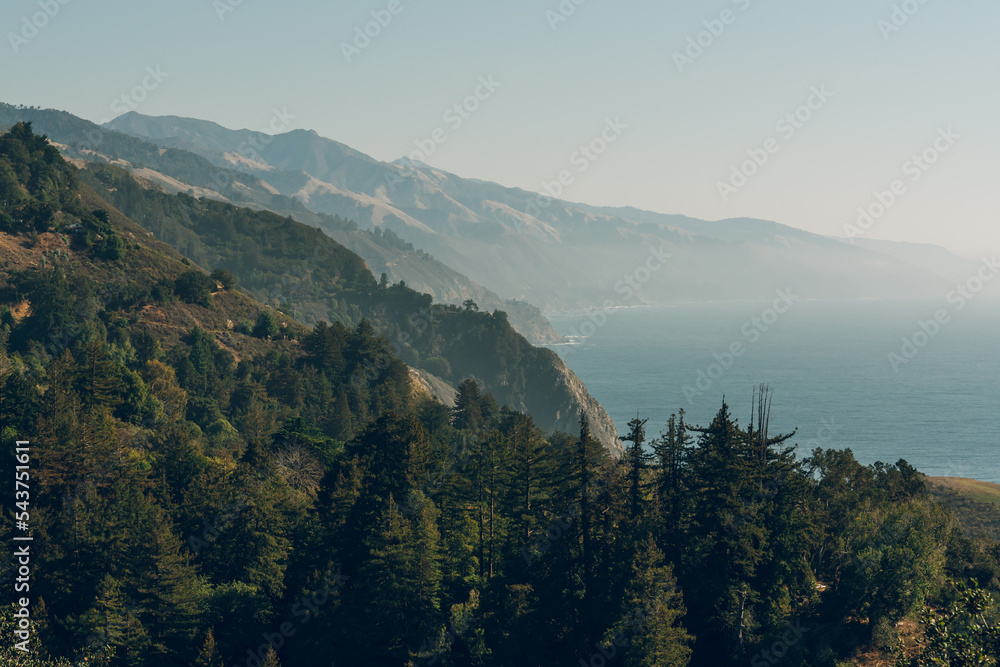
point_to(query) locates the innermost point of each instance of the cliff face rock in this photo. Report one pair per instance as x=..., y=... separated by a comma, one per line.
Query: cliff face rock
x=430, y=385
x=556, y=397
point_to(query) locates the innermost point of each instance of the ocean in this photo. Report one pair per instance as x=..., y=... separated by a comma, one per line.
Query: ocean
x=890, y=380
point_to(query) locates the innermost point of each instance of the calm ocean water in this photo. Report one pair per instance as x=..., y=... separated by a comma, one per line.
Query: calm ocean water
x=828, y=365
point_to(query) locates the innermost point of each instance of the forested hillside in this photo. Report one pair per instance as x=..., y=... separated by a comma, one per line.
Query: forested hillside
x=214, y=483
x=311, y=277
x=179, y=170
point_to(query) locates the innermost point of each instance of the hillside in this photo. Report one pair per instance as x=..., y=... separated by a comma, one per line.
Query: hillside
x=312, y=278
x=975, y=503
x=553, y=253
x=80, y=235
x=180, y=430
x=180, y=171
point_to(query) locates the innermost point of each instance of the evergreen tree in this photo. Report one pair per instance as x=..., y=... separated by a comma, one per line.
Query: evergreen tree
x=469, y=407
x=396, y=601
x=208, y=655
x=649, y=632
x=636, y=459
x=725, y=543
x=673, y=483
x=591, y=490
x=108, y=616
x=267, y=326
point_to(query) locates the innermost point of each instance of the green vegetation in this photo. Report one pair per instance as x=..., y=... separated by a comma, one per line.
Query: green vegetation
x=976, y=504
x=381, y=248
x=966, y=634
x=980, y=492
x=312, y=278
x=38, y=192
x=202, y=496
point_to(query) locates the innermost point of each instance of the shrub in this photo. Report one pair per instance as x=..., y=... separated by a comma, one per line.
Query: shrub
x=111, y=248
x=267, y=326
x=224, y=278
x=194, y=287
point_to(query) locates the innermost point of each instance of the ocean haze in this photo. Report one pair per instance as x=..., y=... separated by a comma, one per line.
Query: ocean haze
x=828, y=365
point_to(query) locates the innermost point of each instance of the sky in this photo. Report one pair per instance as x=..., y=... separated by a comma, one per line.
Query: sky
x=798, y=111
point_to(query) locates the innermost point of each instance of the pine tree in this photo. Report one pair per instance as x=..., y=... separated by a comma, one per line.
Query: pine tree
x=59, y=432
x=394, y=453
x=341, y=424
x=591, y=491
x=649, y=631
x=636, y=459
x=173, y=596
x=253, y=544
x=469, y=407
x=208, y=655
x=107, y=619
x=98, y=375
x=396, y=601
x=725, y=543
x=585, y=472
x=674, y=507
x=532, y=475
x=737, y=475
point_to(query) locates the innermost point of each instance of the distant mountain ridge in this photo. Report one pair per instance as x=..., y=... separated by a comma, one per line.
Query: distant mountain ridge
x=557, y=254
x=177, y=170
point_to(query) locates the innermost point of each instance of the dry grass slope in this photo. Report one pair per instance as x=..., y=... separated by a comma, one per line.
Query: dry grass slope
x=983, y=492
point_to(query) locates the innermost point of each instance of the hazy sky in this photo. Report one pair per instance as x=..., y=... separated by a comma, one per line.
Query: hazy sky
x=893, y=91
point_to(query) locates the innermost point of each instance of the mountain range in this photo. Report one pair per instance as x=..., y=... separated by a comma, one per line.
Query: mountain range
x=556, y=254
x=182, y=171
